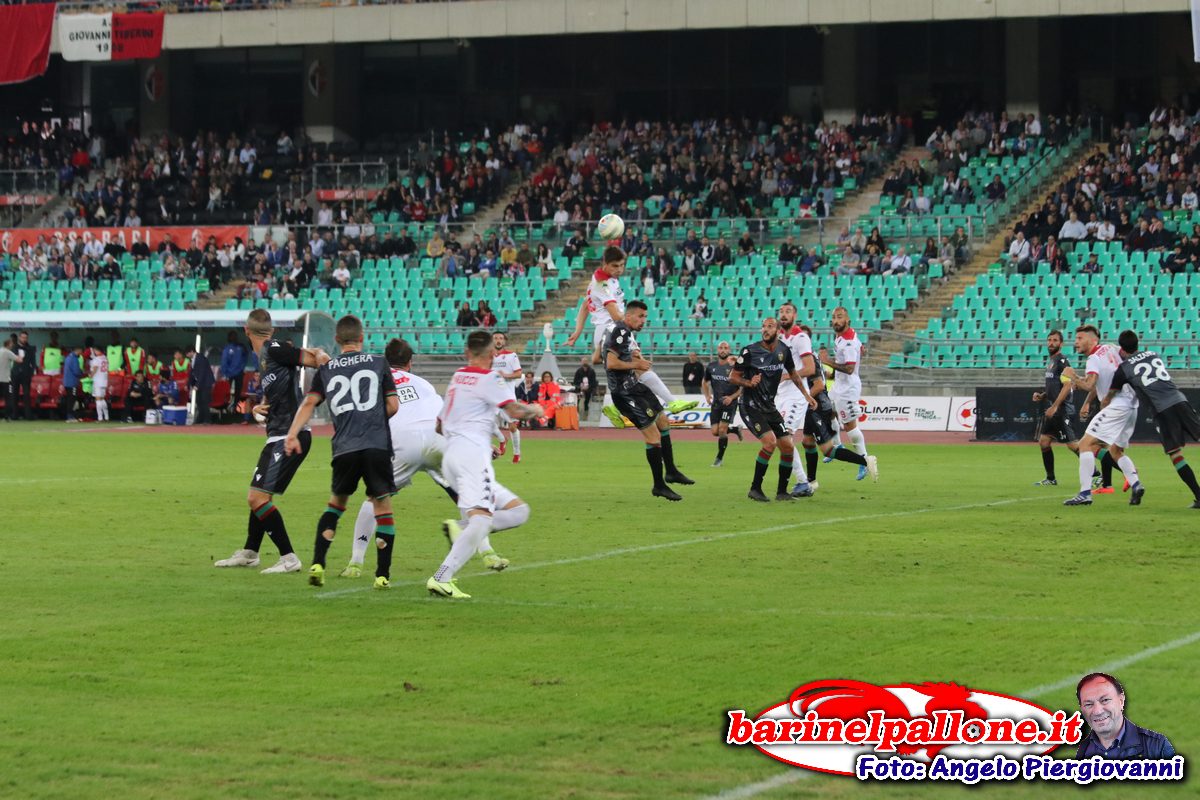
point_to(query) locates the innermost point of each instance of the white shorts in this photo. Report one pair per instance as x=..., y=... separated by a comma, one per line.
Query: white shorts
x=848, y=409
x=1113, y=426
x=600, y=332
x=793, y=409
x=468, y=468
x=421, y=451
x=99, y=392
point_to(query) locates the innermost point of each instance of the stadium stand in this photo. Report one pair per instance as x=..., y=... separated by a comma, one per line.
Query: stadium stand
x=1123, y=224
x=400, y=272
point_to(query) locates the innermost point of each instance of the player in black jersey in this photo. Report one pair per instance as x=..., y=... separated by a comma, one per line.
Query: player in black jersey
x=362, y=396
x=1057, y=407
x=722, y=397
x=622, y=362
x=1176, y=420
x=758, y=370
x=279, y=371
x=819, y=435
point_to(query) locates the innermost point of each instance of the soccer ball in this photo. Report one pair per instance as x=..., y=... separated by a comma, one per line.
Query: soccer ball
x=610, y=227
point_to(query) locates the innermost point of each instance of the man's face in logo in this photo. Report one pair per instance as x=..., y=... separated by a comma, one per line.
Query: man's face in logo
x=1103, y=707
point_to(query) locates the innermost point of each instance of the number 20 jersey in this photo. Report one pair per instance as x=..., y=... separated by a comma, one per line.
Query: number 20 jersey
x=356, y=385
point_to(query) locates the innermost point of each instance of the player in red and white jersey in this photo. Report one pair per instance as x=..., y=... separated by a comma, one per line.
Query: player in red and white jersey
x=847, y=386
x=467, y=421
x=1113, y=426
x=416, y=447
x=604, y=304
x=508, y=364
x=789, y=401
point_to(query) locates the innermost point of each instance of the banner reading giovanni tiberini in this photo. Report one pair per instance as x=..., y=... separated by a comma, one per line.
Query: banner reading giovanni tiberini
x=109, y=37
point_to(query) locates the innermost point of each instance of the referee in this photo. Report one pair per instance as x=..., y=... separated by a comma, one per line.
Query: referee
x=1174, y=416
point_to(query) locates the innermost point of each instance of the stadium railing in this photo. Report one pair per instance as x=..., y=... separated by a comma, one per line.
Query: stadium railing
x=809, y=231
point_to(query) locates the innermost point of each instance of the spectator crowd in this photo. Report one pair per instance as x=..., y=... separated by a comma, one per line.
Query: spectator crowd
x=1129, y=193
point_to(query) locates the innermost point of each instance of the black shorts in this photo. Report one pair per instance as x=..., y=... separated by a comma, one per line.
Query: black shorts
x=721, y=413
x=818, y=423
x=763, y=422
x=372, y=467
x=639, y=405
x=276, y=468
x=1177, y=426
x=1060, y=428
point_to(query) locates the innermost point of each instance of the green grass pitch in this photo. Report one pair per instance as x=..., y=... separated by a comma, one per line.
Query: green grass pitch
x=599, y=666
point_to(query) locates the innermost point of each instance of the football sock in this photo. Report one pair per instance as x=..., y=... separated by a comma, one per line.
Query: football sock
x=506, y=518
x=655, y=457
x=1126, y=465
x=846, y=454
x=385, y=540
x=254, y=533
x=760, y=468
x=785, y=471
x=516, y=440
x=328, y=522
x=798, y=472
x=810, y=462
x=449, y=491
x=607, y=401
x=668, y=452
x=857, y=441
x=464, y=547
x=1106, y=468
x=1185, y=474
x=101, y=411
x=1048, y=462
x=722, y=443
x=1087, y=464
x=658, y=387
x=272, y=523
x=364, y=528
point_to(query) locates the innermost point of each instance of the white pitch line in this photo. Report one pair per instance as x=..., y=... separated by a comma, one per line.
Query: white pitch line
x=919, y=616
x=716, y=537
x=788, y=778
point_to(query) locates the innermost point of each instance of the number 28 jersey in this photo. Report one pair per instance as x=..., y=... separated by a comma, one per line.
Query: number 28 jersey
x=1147, y=375
x=357, y=386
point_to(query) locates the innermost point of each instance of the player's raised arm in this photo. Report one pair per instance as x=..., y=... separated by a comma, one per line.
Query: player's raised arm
x=580, y=317
x=313, y=357
x=1087, y=383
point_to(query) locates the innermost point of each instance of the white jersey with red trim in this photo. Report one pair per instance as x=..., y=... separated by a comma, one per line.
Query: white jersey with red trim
x=847, y=349
x=507, y=361
x=800, y=345
x=419, y=406
x=604, y=290
x=473, y=399
x=1103, y=362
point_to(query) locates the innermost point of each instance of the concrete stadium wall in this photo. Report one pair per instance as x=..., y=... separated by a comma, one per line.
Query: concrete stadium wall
x=493, y=18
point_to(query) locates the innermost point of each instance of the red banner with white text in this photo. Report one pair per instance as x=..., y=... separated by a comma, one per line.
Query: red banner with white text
x=181, y=236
